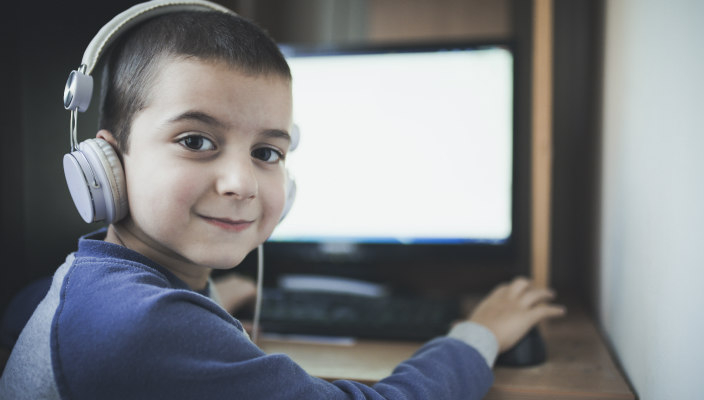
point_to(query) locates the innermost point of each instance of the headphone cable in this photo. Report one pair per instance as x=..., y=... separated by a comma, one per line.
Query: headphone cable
x=258, y=299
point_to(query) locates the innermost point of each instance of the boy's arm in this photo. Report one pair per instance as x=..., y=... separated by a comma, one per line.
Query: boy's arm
x=177, y=344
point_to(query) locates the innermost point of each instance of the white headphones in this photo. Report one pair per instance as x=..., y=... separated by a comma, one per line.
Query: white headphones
x=93, y=170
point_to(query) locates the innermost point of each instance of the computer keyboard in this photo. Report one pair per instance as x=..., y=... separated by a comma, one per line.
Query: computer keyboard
x=337, y=314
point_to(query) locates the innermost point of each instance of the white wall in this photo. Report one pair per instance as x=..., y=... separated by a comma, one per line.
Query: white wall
x=652, y=223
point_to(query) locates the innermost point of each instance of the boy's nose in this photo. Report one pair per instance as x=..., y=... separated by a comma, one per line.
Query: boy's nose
x=237, y=180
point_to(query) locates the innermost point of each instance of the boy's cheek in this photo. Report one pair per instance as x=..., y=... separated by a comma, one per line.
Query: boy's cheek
x=155, y=198
x=276, y=197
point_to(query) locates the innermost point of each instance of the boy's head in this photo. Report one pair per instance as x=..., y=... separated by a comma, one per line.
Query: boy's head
x=198, y=105
x=135, y=59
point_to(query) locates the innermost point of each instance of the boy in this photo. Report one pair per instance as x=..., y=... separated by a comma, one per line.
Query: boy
x=198, y=107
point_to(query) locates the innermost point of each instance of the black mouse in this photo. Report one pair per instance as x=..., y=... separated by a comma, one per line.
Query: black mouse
x=529, y=351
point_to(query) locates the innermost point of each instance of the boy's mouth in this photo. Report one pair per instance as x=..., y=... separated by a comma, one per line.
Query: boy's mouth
x=228, y=224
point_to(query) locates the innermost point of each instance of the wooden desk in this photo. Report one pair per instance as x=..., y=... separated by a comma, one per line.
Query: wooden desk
x=579, y=365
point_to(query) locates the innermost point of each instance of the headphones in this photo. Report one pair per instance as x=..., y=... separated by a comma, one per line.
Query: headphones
x=93, y=170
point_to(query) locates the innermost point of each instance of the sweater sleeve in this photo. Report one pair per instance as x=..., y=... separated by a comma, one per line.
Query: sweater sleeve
x=178, y=344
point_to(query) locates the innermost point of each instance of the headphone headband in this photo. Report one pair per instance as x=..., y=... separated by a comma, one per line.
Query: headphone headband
x=135, y=15
x=79, y=86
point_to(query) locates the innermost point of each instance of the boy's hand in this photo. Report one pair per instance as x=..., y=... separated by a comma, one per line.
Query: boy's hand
x=510, y=310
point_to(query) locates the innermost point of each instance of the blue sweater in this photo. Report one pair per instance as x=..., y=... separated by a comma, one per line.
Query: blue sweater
x=114, y=324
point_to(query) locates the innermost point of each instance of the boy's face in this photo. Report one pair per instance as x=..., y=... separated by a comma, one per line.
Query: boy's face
x=204, y=168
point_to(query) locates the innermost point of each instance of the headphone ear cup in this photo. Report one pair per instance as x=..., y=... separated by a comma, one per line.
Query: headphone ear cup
x=96, y=181
x=290, y=182
x=290, y=194
x=115, y=177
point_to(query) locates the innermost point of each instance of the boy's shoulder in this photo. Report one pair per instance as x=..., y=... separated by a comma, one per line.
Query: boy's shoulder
x=109, y=287
x=122, y=316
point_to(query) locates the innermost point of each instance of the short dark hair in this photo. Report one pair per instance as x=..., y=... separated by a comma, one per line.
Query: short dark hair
x=133, y=61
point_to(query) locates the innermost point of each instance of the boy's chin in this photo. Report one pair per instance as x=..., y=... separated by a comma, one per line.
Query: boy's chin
x=220, y=256
x=224, y=262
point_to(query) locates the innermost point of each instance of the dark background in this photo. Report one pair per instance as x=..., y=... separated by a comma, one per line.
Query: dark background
x=41, y=42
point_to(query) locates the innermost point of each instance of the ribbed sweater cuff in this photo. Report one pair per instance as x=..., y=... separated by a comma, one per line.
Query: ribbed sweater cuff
x=479, y=337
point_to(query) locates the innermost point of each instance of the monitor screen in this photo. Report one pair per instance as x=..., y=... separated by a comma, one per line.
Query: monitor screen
x=402, y=147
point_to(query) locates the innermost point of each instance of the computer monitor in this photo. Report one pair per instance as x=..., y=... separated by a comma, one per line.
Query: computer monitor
x=406, y=156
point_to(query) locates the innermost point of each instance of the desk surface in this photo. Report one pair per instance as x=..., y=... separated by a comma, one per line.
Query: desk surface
x=579, y=365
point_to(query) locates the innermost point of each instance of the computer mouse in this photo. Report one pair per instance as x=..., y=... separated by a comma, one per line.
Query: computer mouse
x=529, y=351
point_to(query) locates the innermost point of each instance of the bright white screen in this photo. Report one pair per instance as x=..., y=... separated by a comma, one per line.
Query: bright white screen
x=406, y=147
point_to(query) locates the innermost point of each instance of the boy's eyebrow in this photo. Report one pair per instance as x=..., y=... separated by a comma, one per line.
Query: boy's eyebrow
x=276, y=134
x=199, y=116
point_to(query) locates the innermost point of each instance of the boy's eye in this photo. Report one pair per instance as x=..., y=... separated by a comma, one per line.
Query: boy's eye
x=198, y=143
x=267, y=154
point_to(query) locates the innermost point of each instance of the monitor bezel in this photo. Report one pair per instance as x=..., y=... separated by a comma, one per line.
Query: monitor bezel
x=365, y=257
